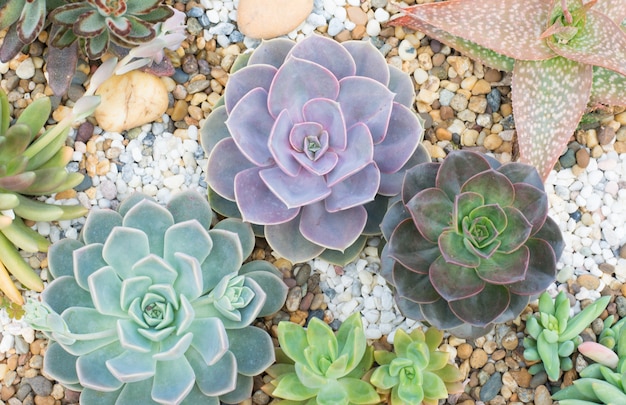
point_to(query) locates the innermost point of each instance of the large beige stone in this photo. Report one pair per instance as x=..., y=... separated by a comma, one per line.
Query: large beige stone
x=130, y=100
x=271, y=18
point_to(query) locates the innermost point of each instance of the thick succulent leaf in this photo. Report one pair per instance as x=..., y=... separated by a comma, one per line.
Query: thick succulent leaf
x=274, y=287
x=88, y=259
x=551, y=233
x=116, y=253
x=293, y=341
x=243, y=230
x=403, y=135
x=287, y=240
x=64, y=293
x=348, y=255
x=332, y=230
x=464, y=205
x=504, y=268
x=173, y=380
x=140, y=31
x=456, y=249
x=34, y=115
x=369, y=61
x=382, y=379
x=454, y=282
x=391, y=183
x=608, y=87
x=431, y=211
x=214, y=128
x=510, y=35
x=303, y=189
x=242, y=391
x=216, y=379
x=328, y=54
x=98, y=330
x=541, y=270
x=61, y=257
x=11, y=45
x=411, y=249
x=364, y=100
x=402, y=85
x=271, y=52
x=280, y=146
x=250, y=125
x=131, y=366
x=517, y=304
x=359, y=152
x=545, y=124
x=359, y=391
x=434, y=387
x=243, y=81
x=105, y=286
x=413, y=286
x=189, y=205
x=131, y=339
x=92, y=370
x=481, y=309
x=153, y=220
x=296, y=82
x=10, y=11
x=61, y=65
x=321, y=336
x=495, y=187
x=517, y=230
x=189, y=281
x=533, y=203
x=257, y=202
x=225, y=258
x=439, y=315
x=458, y=168
x=187, y=237
x=375, y=215
x=225, y=162
x=59, y=364
x=419, y=178
x=252, y=348
x=356, y=190
x=289, y=387
x=521, y=173
x=395, y=214
x=69, y=13
x=327, y=113
x=99, y=225
x=598, y=42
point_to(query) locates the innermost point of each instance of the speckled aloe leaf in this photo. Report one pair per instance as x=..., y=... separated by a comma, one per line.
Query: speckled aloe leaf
x=608, y=87
x=550, y=119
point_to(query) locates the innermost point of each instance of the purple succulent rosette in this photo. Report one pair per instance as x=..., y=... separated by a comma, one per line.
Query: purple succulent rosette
x=309, y=135
x=469, y=242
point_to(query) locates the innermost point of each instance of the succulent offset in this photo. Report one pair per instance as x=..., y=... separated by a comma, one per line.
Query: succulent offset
x=469, y=242
x=563, y=54
x=315, y=366
x=153, y=305
x=554, y=336
x=311, y=140
x=416, y=372
x=31, y=164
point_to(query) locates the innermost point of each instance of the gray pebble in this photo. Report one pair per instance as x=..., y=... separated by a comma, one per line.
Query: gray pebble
x=108, y=189
x=23, y=391
x=491, y=387
x=198, y=86
x=378, y=3
x=568, y=159
x=621, y=306
x=539, y=379
x=40, y=385
x=235, y=36
x=445, y=97
x=195, y=12
x=261, y=398
x=204, y=20
x=193, y=26
x=303, y=274
x=21, y=347
x=222, y=28
x=494, y=98
x=525, y=395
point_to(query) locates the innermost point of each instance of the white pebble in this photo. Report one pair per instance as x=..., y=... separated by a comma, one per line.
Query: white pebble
x=373, y=28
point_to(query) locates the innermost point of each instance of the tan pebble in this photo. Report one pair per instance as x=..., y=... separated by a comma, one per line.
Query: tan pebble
x=542, y=396
x=506, y=109
x=436, y=151
x=343, y=36
x=196, y=112
x=464, y=350
x=283, y=265
x=91, y=193
x=58, y=392
x=477, y=104
x=591, y=138
x=103, y=167
x=582, y=157
x=620, y=146
x=469, y=82
x=358, y=32
x=443, y=134
x=478, y=358
x=65, y=194
x=522, y=377
x=498, y=355
x=446, y=112
x=299, y=317
x=621, y=118
x=438, y=59
x=213, y=98
x=588, y=281
x=469, y=137
x=180, y=110
x=493, y=75
x=508, y=381
x=36, y=346
x=130, y=100
x=510, y=341
x=492, y=142
x=318, y=300
x=12, y=362
x=264, y=19
x=61, y=112
x=597, y=151
x=356, y=15
x=490, y=346
x=7, y=392
x=48, y=400
x=482, y=86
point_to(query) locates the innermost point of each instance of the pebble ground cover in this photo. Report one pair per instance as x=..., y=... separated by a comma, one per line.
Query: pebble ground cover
x=465, y=106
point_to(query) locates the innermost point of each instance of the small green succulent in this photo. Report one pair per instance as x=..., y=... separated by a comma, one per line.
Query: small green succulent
x=554, y=336
x=98, y=22
x=316, y=367
x=416, y=372
x=31, y=164
x=603, y=382
x=152, y=305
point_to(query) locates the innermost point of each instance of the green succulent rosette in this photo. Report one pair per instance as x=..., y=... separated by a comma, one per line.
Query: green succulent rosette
x=469, y=242
x=152, y=305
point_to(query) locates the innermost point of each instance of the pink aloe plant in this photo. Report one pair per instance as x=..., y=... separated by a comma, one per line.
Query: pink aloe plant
x=563, y=54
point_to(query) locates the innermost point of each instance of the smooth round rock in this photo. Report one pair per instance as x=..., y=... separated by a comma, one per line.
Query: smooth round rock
x=130, y=100
x=264, y=19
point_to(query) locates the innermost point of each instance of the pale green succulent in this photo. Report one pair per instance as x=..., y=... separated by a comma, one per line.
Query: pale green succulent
x=316, y=367
x=416, y=372
x=554, y=336
x=152, y=305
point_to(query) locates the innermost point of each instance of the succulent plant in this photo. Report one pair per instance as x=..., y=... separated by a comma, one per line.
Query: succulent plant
x=31, y=164
x=554, y=336
x=416, y=372
x=557, y=50
x=97, y=22
x=311, y=141
x=602, y=382
x=469, y=242
x=153, y=305
x=316, y=367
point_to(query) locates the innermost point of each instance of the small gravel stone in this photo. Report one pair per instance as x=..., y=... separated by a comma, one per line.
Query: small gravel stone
x=478, y=358
x=542, y=396
x=491, y=387
x=40, y=385
x=294, y=296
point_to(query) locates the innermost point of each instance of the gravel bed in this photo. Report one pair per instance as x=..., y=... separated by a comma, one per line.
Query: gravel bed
x=465, y=105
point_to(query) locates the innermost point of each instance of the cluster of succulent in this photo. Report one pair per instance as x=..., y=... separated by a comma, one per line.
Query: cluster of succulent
x=93, y=26
x=310, y=142
x=416, y=372
x=601, y=382
x=554, y=336
x=32, y=163
x=543, y=43
x=315, y=366
x=153, y=304
x=469, y=242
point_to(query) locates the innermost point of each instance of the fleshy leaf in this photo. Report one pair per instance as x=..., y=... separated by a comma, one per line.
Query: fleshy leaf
x=493, y=301
x=454, y=282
